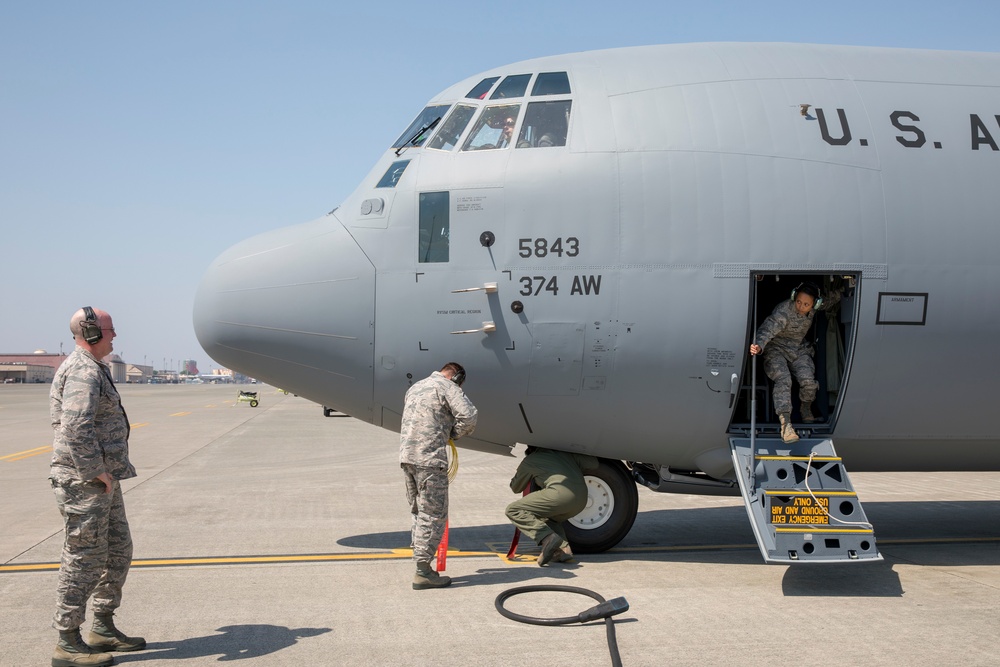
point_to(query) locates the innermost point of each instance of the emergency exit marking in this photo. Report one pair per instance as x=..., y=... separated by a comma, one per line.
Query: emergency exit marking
x=800, y=510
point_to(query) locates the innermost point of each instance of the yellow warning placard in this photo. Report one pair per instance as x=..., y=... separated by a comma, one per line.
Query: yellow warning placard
x=792, y=510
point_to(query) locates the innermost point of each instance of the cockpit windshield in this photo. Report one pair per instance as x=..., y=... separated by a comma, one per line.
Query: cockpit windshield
x=545, y=124
x=494, y=129
x=447, y=137
x=418, y=131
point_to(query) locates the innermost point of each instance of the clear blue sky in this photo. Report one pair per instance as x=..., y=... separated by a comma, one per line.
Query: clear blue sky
x=138, y=140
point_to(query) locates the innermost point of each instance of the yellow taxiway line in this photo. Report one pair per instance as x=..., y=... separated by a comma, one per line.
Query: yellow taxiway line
x=402, y=554
x=17, y=456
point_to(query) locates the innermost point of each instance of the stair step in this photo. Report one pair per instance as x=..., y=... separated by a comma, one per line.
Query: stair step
x=815, y=459
x=801, y=503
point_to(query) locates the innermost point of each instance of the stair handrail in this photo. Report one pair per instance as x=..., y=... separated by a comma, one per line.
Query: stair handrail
x=753, y=396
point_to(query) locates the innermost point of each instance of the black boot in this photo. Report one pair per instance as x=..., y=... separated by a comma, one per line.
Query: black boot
x=104, y=636
x=71, y=651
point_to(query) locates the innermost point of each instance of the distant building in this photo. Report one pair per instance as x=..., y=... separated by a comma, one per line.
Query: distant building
x=165, y=377
x=138, y=374
x=14, y=372
x=218, y=376
x=119, y=369
x=32, y=368
x=39, y=366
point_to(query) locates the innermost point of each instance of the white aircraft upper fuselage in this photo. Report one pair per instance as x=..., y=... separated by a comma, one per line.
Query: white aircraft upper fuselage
x=627, y=249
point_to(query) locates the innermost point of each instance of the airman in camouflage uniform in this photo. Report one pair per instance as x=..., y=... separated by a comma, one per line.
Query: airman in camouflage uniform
x=89, y=459
x=781, y=338
x=434, y=410
x=562, y=494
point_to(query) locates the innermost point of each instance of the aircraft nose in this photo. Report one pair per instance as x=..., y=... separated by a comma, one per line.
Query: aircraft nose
x=295, y=308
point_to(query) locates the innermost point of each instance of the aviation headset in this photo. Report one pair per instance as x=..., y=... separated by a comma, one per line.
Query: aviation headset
x=90, y=330
x=459, y=376
x=809, y=288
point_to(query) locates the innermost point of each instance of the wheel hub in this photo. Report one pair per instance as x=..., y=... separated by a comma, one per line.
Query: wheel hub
x=600, y=505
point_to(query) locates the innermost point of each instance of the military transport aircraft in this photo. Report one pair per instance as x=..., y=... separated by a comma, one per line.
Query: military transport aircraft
x=596, y=236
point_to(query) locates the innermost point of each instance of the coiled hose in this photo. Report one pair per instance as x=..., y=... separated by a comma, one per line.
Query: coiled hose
x=606, y=609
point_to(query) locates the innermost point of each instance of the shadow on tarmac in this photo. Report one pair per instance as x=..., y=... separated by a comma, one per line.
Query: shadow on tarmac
x=845, y=580
x=517, y=575
x=237, y=642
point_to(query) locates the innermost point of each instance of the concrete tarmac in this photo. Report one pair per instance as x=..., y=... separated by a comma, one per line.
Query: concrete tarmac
x=275, y=536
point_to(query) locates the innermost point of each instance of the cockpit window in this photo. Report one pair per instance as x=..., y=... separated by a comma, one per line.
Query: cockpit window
x=392, y=174
x=545, y=124
x=494, y=129
x=551, y=83
x=435, y=227
x=452, y=128
x=483, y=87
x=418, y=131
x=512, y=86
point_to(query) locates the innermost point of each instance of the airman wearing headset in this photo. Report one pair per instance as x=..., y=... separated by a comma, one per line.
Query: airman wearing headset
x=89, y=459
x=434, y=410
x=781, y=337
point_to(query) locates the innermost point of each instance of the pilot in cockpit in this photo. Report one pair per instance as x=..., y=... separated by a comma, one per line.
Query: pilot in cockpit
x=545, y=125
x=494, y=129
x=506, y=133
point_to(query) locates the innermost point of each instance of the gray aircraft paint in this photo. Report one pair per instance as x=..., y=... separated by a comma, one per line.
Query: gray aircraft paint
x=687, y=169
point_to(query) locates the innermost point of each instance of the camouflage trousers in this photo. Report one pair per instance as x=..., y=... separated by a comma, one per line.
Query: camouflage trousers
x=97, y=551
x=780, y=365
x=427, y=493
x=543, y=512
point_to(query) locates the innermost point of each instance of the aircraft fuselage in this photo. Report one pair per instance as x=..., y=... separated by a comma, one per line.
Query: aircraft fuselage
x=628, y=261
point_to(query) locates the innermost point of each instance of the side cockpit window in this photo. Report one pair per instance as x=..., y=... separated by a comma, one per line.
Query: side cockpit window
x=392, y=174
x=452, y=128
x=422, y=126
x=435, y=227
x=494, y=129
x=545, y=124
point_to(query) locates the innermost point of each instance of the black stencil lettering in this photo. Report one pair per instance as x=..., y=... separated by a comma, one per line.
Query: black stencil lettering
x=844, y=139
x=980, y=135
x=920, y=139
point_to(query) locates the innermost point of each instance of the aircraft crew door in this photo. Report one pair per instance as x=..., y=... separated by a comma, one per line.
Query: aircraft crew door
x=829, y=342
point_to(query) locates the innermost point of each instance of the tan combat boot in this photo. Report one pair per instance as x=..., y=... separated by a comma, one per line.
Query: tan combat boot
x=428, y=578
x=71, y=651
x=104, y=636
x=788, y=433
x=807, y=412
x=564, y=555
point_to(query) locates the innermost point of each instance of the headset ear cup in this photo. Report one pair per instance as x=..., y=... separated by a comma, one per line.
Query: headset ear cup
x=90, y=330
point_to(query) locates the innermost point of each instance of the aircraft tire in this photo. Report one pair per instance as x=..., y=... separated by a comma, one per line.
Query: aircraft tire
x=611, y=508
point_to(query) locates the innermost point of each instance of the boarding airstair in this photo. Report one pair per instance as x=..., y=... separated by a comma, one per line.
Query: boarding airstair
x=801, y=503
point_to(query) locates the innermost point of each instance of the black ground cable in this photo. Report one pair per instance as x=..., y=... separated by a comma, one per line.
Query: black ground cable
x=606, y=609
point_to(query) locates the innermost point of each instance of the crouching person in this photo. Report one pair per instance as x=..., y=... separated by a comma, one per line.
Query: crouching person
x=561, y=495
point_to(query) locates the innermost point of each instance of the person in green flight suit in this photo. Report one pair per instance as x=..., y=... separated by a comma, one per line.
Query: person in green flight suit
x=561, y=495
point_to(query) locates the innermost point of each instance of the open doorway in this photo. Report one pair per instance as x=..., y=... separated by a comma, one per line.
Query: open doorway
x=830, y=337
